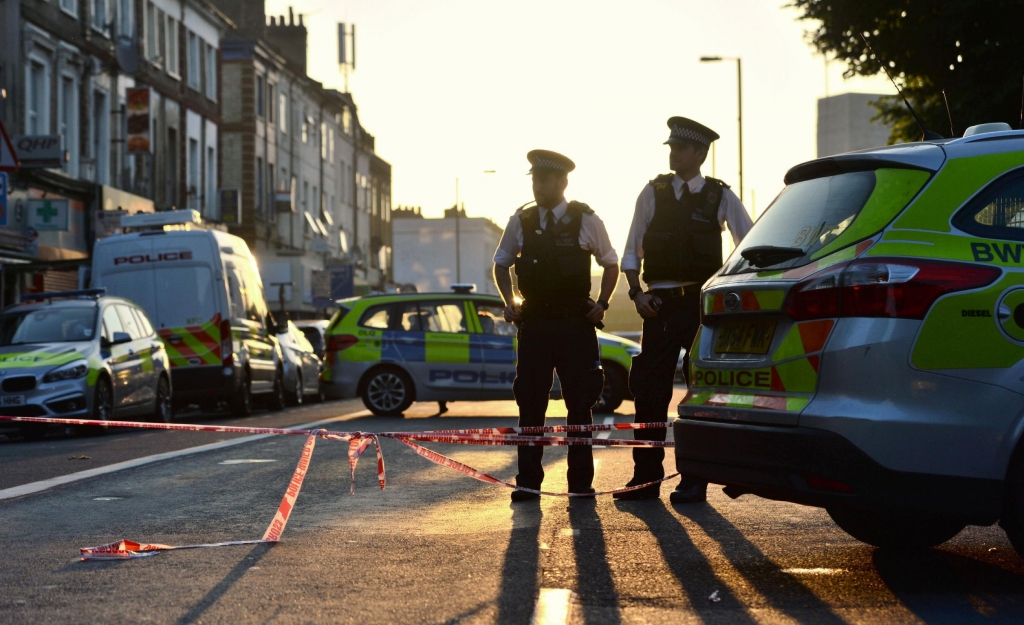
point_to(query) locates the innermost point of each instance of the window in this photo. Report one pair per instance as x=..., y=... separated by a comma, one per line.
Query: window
x=37, y=101
x=193, y=61
x=305, y=128
x=193, y=173
x=172, y=167
x=111, y=323
x=128, y=322
x=283, y=115
x=151, y=33
x=211, y=183
x=442, y=317
x=172, y=46
x=126, y=25
x=492, y=319
x=323, y=141
x=260, y=94
x=259, y=186
x=271, y=101
x=99, y=15
x=270, y=187
x=144, y=325
x=330, y=144
x=99, y=146
x=211, y=72
x=47, y=326
x=378, y=317
x=68, y=120
x=69, y=6
x=161, y=38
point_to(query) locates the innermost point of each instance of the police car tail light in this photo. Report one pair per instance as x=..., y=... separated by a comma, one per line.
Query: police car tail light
x=817, y=297
x=905, y=288
x=339, y=342
x=227, y=347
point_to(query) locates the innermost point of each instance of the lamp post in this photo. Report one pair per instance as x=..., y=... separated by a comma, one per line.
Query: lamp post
x=739, y=104
x=458, y=246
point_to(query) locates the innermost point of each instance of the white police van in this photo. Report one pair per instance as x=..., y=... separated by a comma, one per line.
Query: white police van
x=202, y=290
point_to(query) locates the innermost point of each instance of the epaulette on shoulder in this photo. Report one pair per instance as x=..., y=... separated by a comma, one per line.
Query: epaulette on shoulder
x=661, y=181
x=525, y=207
x=716, y=181
x=580, y=206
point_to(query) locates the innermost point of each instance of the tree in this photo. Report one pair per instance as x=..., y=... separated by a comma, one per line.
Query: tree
x=974, y=49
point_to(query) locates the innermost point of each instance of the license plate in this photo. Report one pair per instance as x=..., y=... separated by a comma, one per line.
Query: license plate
x=745, y=337
x=12, y=400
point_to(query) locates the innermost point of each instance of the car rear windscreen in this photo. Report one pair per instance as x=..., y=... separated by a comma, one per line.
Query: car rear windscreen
x=173, y=297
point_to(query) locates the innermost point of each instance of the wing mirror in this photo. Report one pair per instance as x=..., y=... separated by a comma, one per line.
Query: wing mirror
x=120, y=337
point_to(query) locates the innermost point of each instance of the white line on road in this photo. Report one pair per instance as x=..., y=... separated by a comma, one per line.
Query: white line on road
x=36, y=487
x=606, y=421
x=552, y=607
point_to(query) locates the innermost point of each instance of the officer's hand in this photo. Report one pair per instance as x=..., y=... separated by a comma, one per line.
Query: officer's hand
x=512, y=312
x=595, y=314
x=646, y=305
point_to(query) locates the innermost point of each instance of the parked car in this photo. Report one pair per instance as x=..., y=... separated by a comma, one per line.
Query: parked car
x=81, y=354
x=315, y=331
x=394, y=349
x=302, y=367
x=203, y=292
x=862, y=349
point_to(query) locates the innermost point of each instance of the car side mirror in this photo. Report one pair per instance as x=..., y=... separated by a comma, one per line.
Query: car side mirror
x=121, y=337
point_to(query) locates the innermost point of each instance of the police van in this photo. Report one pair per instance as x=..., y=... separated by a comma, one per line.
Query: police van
x=394, y=349
x=202, y=290
x=862, y=349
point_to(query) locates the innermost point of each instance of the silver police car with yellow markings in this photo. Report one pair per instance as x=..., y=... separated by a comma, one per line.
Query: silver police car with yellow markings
x=79, y=354
x=392, y=350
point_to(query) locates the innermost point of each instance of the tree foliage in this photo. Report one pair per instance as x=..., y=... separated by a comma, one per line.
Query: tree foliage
x=974, y=49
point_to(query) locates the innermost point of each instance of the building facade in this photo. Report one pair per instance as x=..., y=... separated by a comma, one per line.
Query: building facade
x=844, y=124
x=313, y=193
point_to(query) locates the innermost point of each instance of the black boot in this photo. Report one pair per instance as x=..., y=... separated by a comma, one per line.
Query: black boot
x=522, y=495
x=690, y=490
x=650, y=492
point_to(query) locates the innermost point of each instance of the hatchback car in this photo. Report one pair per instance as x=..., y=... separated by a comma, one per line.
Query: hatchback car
x=80, y=354
x=392, y=350
x=862, y=349
x=301, y=365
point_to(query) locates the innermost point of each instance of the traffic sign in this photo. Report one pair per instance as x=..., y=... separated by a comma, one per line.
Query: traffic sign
x=3, y=199
x=8, y=157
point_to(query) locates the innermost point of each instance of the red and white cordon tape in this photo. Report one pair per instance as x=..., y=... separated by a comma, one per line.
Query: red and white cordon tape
x=359, y=442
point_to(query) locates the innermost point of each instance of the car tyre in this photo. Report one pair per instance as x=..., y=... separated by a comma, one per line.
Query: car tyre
x=241, y=403
x=33, y=431
x=276, y=400
x=295, y=395
x=614, y=392
x=896, y=529
x=102, y=408
x=164, y=410
x=387, y=392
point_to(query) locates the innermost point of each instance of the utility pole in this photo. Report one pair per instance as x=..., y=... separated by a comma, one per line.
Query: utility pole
x=458, y=247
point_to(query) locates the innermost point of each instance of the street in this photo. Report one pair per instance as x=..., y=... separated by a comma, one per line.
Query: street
x=438, y=547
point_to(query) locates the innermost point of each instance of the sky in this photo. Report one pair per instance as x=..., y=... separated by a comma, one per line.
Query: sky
x=454, y=88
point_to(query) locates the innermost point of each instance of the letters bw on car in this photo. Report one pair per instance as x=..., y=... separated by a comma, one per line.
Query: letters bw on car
x=862, y=350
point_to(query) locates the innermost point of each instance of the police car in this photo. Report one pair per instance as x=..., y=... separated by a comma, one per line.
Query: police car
x=862, y=350
x=80, y=354
x=392, y=350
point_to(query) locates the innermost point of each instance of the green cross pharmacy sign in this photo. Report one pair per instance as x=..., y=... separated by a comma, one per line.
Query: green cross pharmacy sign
x=48, y=214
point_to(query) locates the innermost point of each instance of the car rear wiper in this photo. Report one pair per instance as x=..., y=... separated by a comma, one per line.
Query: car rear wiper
x=768, y=255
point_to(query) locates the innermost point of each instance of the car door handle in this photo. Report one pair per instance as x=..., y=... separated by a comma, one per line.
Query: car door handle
x=498, y=345
x=405, y=340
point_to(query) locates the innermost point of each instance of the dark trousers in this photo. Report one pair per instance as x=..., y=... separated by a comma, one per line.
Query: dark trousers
x=652, y=374
x=569, y=347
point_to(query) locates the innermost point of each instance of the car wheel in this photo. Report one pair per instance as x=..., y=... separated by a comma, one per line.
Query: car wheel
x=321, y=395
x=295, y=395
x=614, y=391
x=276, y=401
x=896, y=530
x=164, y=412
x=241, y=403
x=387, y=392
x=102, y=408
x=33, y=431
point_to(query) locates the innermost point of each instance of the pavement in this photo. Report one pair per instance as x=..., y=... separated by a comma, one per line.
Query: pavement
x=438, y=547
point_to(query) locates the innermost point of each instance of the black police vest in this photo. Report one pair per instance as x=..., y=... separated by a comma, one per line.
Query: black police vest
x=683, y=242
x=553, y=268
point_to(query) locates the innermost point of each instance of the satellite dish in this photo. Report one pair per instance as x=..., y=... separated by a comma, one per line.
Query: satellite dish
x=127, y=55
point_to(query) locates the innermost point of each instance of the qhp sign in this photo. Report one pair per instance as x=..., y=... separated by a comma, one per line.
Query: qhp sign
x=48, y=214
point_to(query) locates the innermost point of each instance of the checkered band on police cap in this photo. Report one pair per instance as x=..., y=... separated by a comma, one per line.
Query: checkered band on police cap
x=683, y=130
x=546, y=160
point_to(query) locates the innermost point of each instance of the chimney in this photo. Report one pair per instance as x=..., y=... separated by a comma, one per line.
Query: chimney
x=289, y=40
x=248, y=15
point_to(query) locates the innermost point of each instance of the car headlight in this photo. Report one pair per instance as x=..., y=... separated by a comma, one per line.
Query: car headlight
x=70, y=371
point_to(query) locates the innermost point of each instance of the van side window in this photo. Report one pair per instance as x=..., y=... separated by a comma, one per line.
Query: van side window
x=111, y=323
x=236, y=293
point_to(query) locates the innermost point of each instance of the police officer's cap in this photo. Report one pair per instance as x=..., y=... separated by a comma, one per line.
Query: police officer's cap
x=546, y=160
x=688, y=131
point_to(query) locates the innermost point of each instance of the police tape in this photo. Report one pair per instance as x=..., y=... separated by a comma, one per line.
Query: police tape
x=359, y=442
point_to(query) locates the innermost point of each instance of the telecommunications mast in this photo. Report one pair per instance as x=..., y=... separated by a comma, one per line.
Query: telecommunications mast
x=346, y=61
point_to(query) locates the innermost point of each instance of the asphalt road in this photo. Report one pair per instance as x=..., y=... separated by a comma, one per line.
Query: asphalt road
x=437, y=547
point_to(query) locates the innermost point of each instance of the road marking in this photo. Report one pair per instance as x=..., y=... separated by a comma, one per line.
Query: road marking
x=37, y=487
x=606, y=421
x=818, y=571
x=552, y=607
x=106, y=498
x=247, y=461
x=568, y=531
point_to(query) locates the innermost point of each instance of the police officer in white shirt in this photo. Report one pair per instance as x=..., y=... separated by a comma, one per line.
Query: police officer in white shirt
x=551, y=245
x=676, y=236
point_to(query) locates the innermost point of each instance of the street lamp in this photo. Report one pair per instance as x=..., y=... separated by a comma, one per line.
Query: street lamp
x=739, y=97
x=458, y=246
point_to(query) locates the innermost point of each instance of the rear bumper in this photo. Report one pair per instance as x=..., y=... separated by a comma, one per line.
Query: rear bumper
x=807, y=466
x=203, y=383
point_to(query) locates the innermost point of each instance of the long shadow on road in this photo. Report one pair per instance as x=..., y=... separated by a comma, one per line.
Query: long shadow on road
x=594, y=583
x=520, y=571
x=225, y=584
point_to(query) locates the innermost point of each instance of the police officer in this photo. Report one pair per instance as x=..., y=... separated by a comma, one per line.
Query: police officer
x=550, y=245
x=676, y=234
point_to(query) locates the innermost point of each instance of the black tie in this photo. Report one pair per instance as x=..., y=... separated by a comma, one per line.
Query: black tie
x=686, y=188
x=549, y=222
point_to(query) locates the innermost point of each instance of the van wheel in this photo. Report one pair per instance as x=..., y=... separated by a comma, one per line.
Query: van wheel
x=614, y=391
x=387, y=392
x=275, y=401
x=164, y=412
x=241, y=403
x=295, y=395
x=896, y=530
